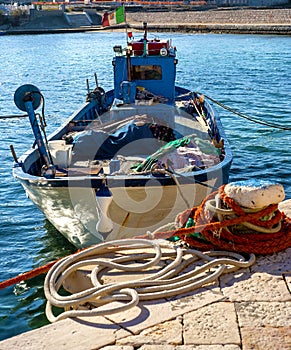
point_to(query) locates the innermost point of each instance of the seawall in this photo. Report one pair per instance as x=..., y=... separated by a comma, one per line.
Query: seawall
x=234, y=21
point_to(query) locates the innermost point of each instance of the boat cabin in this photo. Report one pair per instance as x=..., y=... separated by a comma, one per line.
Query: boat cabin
x=144, y=70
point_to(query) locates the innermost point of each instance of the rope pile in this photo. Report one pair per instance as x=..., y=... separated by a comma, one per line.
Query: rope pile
x=167, y=270
x=231, y=228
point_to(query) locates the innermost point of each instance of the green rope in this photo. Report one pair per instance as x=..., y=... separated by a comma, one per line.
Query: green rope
x=167, y=148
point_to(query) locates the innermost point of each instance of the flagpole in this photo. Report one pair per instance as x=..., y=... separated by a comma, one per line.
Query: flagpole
x=125, y=23
x=127, y=50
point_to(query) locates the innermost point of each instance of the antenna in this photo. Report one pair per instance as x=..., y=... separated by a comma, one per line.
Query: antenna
x=145, y=26
x=96, y=79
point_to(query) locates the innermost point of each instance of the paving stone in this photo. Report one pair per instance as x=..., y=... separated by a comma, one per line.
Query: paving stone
x=208, y=347
x=179, y=347
x=267, y=338
x=288, y=281
x=117, y=347
x=165, y=333
x=157, y=347
x=263, y=314
x=200, y=297
x=212, y=324
x=148, y=314
x=247, y=286
x=67, y=334
x=275, y=264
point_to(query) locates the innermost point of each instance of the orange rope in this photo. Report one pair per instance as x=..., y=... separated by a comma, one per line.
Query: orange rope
x=30, y=274
x=222, y=234
x=27, y=275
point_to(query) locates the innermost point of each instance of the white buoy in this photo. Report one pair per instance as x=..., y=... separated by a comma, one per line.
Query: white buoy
x=104, y=199
x=255, y=193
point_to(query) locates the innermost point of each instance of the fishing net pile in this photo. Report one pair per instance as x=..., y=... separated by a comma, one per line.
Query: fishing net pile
x=241, y=216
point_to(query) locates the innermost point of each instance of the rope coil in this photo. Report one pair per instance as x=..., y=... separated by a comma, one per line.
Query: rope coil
x=265, y=231
x=169, y=270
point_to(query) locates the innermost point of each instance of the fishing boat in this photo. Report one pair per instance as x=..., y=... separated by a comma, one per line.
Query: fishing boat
x=129, y=159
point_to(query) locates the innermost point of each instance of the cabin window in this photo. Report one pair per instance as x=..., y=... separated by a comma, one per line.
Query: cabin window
x=152, y=72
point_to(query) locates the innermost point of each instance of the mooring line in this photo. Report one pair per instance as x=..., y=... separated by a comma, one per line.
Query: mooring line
x=252, y=119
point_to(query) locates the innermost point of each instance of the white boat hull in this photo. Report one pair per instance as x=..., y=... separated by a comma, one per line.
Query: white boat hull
x=133, y=210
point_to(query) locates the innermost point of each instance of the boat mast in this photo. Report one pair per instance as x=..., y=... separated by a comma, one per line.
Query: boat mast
x=128, y=63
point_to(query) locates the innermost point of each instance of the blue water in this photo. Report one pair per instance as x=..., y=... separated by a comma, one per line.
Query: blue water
x=250, y=73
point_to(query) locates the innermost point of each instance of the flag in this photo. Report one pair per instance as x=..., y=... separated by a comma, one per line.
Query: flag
x=114, y=17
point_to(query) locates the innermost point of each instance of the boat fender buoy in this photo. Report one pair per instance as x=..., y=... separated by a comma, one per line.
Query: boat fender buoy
x=255, y=193
x=104, y=199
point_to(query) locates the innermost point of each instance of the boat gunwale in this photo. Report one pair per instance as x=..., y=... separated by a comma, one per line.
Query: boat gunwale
x=135, y=180
x=199, y=175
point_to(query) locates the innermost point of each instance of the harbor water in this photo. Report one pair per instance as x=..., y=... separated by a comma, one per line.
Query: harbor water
x=249, y=73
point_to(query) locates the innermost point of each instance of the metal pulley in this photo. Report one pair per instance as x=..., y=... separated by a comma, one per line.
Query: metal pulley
x=28, y=98
x=26, y=93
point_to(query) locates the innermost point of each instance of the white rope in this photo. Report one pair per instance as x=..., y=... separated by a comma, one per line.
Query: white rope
x=170, y=270
x=215, y=207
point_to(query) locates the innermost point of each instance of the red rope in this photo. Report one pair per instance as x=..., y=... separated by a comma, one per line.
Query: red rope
x=32, y=273
x=226, y=235
x=27, y=275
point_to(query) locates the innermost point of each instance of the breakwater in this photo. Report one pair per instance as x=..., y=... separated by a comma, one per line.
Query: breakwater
x=233, y=21
x=236, y=21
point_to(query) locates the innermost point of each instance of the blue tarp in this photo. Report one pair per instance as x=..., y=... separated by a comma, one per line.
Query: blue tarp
x=98, y=145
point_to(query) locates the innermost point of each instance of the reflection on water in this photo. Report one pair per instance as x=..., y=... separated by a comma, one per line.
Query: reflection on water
x=27, y=309
x=54, y=245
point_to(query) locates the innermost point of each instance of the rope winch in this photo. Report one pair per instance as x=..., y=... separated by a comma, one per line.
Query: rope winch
x=28, y=98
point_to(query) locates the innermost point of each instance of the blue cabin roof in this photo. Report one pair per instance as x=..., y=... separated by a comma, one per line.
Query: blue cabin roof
x=149, y=65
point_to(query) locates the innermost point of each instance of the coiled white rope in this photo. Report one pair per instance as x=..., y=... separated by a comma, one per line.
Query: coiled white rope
x=171, y=270
x=214, y=206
